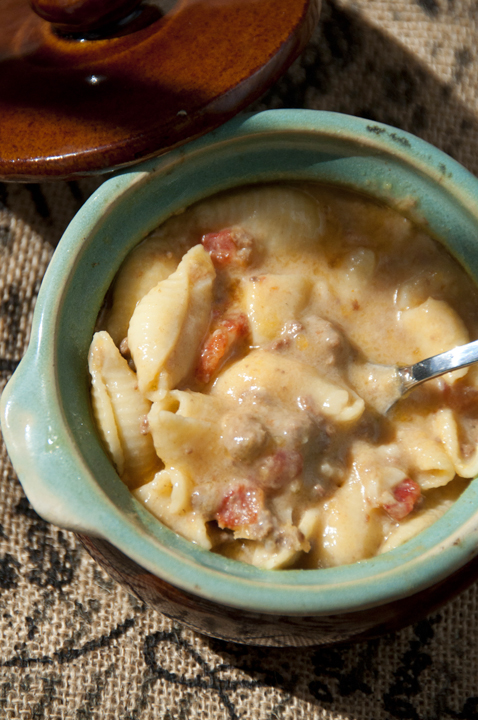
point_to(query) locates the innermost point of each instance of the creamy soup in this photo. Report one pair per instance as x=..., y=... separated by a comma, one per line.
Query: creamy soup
x=228, y=376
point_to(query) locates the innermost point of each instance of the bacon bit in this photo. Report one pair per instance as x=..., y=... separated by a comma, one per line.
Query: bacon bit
x=232, y=245
x=281, y=468
x=240, y=507
x=407, y=493
x=220, y=246
x=219, y=345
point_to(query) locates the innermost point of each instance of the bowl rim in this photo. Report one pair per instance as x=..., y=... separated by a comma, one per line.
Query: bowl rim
x=34, y=417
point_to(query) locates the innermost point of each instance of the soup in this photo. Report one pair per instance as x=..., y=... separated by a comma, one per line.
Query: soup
x=226, y=376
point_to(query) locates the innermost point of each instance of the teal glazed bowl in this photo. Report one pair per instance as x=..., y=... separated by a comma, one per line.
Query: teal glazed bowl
x=50, y=433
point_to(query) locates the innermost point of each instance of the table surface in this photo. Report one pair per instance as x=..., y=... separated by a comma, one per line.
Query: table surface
x=74, y=645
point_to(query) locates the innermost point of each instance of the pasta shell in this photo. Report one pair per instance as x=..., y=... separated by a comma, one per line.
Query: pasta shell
x=121, y=412
x=352, y=529
x=438, y=503
x=287, y=380
x=434, y=327
x=189, y=444
x=289, y=218
x=446, y=427
x=432, y=465
x=169, y=323
x=145, y=266
x=272, y=301
x=280, y=218
x=167, y=497
x=103, y=410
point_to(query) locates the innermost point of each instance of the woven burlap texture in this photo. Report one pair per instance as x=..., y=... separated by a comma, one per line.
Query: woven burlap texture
x=74, y=645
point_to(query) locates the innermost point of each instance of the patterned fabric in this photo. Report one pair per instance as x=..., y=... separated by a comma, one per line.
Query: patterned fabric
x=74, y=645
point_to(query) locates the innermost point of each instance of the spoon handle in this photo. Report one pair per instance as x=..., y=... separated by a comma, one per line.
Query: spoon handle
x=437, y=365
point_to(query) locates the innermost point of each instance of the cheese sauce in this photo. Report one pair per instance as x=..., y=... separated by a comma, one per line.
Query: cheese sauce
x=226, y=376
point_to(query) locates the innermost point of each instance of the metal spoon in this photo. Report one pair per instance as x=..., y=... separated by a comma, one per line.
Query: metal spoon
x=382, y=385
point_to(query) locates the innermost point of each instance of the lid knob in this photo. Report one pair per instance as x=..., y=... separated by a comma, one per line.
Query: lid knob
x=77, y=16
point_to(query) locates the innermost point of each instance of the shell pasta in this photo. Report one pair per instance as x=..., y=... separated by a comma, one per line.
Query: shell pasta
x=225, y=376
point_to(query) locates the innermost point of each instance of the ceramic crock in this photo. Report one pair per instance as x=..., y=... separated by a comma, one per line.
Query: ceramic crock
x=47, y=420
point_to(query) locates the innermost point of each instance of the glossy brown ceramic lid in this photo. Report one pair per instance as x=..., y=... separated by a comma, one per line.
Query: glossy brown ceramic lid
x=84, y=92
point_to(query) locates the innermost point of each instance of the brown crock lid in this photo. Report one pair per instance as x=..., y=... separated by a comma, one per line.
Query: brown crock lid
x=88, y=90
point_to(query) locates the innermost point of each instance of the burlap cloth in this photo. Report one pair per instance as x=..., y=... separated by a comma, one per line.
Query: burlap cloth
x=75, y=645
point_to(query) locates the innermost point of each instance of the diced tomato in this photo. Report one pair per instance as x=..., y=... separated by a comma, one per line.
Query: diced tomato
x=407, y=493
x=240, y=507
x=220, y=246
x=280, y=468
x=220, y=343
x=212, y=353
x=232, y=245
